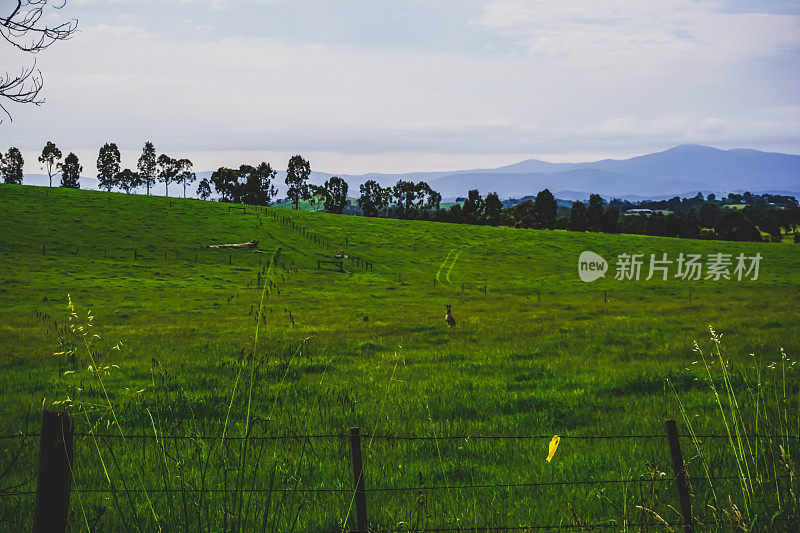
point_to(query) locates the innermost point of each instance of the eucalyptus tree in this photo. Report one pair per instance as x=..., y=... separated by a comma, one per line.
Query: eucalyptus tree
x=108, y=162
x=297, y=174
x=492, y=209
x=374, y=199
x=70, y=172
x=186, y=175
x=147, y=165
x=168, y=170
x=127, y=180
x=49, y=158
x=11, y=165
x=204, y=189
x=334, y=191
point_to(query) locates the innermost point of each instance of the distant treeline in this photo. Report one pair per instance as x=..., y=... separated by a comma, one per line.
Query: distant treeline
x=110, y=174
x=736, y=217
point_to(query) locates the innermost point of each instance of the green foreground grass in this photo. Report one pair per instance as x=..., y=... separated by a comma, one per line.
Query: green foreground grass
x=539, y=353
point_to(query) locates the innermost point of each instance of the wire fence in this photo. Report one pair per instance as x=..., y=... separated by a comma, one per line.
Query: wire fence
x=61, y=438
x=390, y=437
x=415, y=488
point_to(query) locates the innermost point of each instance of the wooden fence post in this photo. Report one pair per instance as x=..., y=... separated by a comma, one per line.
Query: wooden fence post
x=690, y=295
x=484, y=289
x=605, y=297
x=358, y=480
x=539, y=296
x=434, y=282
x=230, y=259
x=681, y=477
x=44, y=250
x=55, y=473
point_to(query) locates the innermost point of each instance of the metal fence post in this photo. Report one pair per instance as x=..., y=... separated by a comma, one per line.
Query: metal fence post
x=358, y=479
x=681, y=477
x=55, y=473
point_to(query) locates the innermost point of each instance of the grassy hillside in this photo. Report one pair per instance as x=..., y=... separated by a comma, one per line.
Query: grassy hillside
x=538, y=353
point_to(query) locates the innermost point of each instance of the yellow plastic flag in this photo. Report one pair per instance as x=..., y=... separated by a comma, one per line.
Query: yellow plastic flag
x=553, y=447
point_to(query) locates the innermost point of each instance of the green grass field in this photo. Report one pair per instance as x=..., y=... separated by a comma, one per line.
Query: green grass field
x=216, y=340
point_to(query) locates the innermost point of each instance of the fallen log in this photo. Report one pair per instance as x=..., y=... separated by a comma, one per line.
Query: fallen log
x=251, y=244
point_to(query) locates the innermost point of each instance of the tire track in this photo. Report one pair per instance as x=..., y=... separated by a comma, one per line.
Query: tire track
x=447, y=277
x=443, y=264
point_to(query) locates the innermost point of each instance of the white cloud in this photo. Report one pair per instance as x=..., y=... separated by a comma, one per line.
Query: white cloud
x=648, y=34
x=617, y=77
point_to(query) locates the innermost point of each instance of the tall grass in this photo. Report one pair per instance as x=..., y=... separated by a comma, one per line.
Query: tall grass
x=756, y=405
x=238, y=458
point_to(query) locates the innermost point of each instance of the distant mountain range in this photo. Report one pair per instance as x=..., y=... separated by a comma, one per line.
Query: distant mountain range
x=680, y=171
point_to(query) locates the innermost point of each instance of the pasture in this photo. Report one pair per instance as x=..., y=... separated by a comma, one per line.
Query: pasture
x=196, y=342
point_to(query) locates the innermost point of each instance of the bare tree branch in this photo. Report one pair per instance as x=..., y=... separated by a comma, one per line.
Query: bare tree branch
x=23, y=30
x=23, y=88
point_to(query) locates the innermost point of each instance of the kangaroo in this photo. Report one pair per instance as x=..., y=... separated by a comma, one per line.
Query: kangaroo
x=448, y=318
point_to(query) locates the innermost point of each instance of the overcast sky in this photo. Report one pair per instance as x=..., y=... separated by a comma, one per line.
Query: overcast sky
x=408, y=85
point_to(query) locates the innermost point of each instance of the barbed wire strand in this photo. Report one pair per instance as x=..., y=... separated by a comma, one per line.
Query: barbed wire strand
x=401, y=437
x=417, y=488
